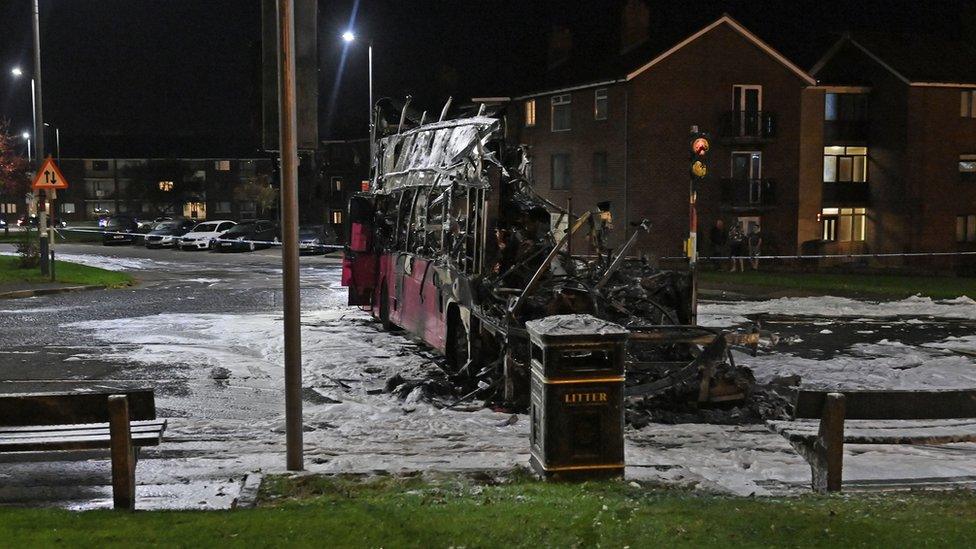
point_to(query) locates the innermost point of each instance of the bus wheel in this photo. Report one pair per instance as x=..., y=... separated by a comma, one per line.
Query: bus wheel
x=457, y=342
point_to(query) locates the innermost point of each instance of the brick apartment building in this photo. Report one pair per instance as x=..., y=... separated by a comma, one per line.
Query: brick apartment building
x=912, y=109
x=197, y=188
x=832, y=160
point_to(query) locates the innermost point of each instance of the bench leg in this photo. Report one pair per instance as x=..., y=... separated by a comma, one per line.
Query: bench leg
x=827, y=465
x=123, y=455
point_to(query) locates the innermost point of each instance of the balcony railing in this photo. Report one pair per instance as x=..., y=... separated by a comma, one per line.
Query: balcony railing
x=846, y=193
x=845, y=131
x=749, y=125
x=748, y=193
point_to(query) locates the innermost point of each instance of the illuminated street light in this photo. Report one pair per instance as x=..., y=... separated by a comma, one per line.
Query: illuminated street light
x=16, y=71
x=348, y=37
x=25, y=135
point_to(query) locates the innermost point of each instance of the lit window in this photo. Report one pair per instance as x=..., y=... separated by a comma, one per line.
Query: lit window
x=560, y=171
x=967, y=104
x=843, y=224
x=530, y=113
x=966, y=228
x=561, y=112
x=337, y=184
x=364, y=185
x=600, y=104
x=967, y=167
x=337, y=217
x=845, y=164
x=222, y=165
x=166, y=186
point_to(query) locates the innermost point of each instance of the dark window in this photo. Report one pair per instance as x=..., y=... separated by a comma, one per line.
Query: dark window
x=600, y=168
x=561, y=111
x=967, y=104
x=100, y=165
x=845, y=106
x=600, y=104
x=560, y=171
x=966, y=228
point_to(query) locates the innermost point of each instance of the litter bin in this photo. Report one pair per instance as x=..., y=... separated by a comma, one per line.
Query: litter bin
x=577, y=407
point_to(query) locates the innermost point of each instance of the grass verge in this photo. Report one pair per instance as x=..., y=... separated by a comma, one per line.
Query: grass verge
x=67, y=273
x=397, y=512
x=857, y=285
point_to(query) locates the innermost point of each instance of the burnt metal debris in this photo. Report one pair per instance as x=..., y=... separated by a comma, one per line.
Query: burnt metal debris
x=452, y=205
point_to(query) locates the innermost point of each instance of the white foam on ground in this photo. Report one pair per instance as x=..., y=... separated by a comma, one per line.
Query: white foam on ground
x=108, y=263
x=729, y=313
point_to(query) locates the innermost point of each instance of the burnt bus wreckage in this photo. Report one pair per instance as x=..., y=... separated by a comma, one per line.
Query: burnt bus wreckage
x=452, y=244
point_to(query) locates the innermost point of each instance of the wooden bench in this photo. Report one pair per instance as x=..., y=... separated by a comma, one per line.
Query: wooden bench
x=121, y=421
x=823, y=446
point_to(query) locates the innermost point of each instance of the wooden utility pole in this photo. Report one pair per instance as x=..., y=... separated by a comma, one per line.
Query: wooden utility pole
x=288, y=134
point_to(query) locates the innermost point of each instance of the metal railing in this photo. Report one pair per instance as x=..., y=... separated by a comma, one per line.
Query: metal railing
x=749, y=125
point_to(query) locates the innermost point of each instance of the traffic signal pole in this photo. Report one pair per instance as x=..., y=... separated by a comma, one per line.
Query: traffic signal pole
x=288, y=133
x=697, y=172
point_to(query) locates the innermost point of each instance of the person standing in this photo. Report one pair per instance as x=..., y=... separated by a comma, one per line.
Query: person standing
x=719, y=240
x=755, y=243
x=737, y=244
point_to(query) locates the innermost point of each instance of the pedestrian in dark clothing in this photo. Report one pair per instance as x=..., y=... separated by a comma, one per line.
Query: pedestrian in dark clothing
x=719, y=240
x=737, y=244
x=755, y=243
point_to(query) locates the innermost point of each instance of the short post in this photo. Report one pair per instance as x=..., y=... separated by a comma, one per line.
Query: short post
x=829, y=447
x=577, y=410
x=123, y=455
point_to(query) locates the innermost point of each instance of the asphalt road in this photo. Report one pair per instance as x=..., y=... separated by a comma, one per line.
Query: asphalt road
x=33, y=349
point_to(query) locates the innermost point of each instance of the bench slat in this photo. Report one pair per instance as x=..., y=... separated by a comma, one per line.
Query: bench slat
x=901, y=404
x=91, y=430
x=75, y=443
x=59, y=408
x=920, y=434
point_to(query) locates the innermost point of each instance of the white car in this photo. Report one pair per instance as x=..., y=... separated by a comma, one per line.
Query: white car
x=203, y=235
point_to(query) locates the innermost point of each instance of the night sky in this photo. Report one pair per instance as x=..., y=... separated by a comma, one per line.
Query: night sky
x=144, y=77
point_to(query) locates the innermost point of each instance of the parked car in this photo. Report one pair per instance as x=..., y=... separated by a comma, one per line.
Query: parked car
x=315, y=240
x=32, y=221
x=166, y=234
x=247, y=236
x=3, y=223
x=202, y=236
x=120, y=229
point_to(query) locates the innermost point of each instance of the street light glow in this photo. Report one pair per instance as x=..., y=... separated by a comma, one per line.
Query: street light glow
x=348, y=36
x=16, y=71
x=25, y=135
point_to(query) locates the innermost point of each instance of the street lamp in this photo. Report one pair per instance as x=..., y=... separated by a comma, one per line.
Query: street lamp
x=26, y=136
x=57, y=140
x=348, y=37
x=17, y=72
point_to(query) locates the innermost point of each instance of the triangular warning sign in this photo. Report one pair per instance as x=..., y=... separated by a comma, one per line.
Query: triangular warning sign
x=49, y=176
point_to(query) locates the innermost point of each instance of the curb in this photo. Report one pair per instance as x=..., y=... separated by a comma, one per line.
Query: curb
x=49, y=291
x=248, y=496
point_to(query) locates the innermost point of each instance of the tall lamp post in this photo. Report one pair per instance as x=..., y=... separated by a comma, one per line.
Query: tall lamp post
x=348, y=37
x=26, y=136
x=57, y=140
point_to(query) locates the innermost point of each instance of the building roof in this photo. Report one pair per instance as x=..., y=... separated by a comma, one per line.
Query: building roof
x=588, y=71
x=916, y=59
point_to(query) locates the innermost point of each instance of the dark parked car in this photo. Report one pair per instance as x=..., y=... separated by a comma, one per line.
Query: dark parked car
x=120, y=229
x=316, y=240
x=247, y=236
x=166, y=234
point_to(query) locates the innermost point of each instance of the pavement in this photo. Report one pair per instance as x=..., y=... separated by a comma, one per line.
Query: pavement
x=204, y=331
